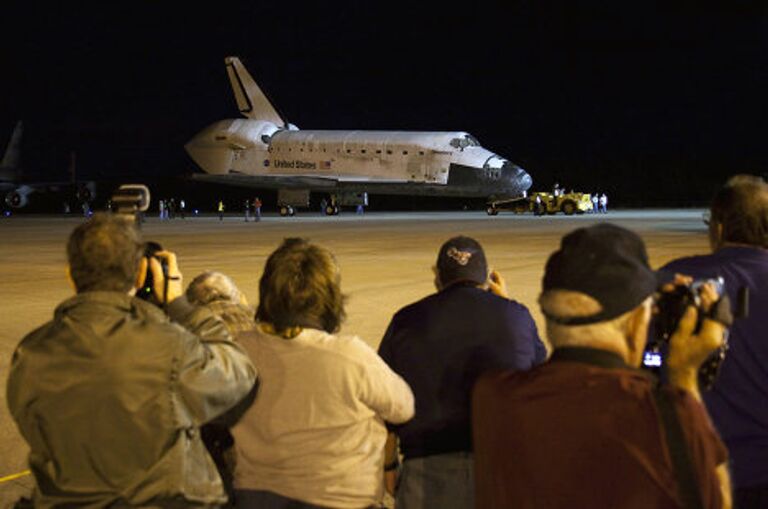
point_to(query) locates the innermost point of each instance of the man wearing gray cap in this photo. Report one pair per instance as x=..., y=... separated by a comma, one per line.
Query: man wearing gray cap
x=587, y=428
x=440, y=345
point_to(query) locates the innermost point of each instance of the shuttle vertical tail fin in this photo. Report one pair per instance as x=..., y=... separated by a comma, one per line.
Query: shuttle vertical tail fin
x=12, y=155
x=251, y=101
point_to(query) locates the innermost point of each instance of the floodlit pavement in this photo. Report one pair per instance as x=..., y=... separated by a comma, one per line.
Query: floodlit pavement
x=385, y=260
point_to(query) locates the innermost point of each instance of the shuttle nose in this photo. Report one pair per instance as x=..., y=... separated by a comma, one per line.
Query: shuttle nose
x=517, y=178
x=523, y=179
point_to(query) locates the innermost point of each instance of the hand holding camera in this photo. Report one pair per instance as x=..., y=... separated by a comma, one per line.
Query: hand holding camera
x=162, y=281
x=167, y=277
x=691, y=348
x=497, y=285
x=690, y=330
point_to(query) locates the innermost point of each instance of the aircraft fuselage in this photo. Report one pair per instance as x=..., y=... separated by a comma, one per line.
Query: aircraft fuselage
x=393, y=162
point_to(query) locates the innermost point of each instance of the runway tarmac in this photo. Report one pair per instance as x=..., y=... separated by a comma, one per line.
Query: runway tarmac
x=385, y=259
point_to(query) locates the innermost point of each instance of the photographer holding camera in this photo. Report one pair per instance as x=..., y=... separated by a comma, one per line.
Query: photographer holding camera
x=587, y=428
x=110, y=394
x=738, y=399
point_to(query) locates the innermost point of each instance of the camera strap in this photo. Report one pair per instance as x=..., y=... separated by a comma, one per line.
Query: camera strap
x=165, y=292
x=687, y=487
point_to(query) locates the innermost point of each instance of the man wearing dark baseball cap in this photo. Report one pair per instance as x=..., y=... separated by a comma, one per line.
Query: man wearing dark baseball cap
x=583, y=429
x=440, y=345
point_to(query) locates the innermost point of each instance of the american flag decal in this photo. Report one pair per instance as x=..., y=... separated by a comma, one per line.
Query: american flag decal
x=325, y=165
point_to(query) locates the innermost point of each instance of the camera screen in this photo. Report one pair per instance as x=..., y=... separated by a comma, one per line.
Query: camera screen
x=652, y=359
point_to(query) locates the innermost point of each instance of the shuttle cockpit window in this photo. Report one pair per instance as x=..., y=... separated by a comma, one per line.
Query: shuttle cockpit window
x=472, y=141
x=464, y=142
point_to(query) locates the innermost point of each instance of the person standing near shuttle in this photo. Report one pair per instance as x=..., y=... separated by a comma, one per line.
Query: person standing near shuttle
x=257, y=209
x=265, y=150
x=110, y=394
x=440, y=345
x=247, y=209
x=314, y=436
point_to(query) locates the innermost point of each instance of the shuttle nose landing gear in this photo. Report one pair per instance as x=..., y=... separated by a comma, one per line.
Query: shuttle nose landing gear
x=287, y=210
x=331, y=210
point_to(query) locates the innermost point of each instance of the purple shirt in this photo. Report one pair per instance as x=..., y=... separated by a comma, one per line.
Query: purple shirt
x=738, y=401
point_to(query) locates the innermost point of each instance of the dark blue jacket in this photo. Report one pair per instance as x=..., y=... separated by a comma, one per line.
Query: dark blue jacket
x=440, y=345
x=738, y=401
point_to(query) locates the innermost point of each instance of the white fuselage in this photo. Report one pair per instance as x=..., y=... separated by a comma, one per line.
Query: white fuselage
x=260, y=148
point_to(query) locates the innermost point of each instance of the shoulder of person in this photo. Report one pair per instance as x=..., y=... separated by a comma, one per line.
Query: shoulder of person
x=349, y=346
x=185, y=323
x=31, y=341
x=416, y=308
x=511, y=305
x=696, y=264
x=496, y=382
x=346, y=342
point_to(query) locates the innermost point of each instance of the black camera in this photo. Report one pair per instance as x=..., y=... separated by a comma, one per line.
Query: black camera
x=671, y=306
x=150, y=249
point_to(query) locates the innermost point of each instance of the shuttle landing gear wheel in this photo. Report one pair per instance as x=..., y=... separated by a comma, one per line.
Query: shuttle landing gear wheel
x=332, y=210
x=492, y=211
x=287, y=210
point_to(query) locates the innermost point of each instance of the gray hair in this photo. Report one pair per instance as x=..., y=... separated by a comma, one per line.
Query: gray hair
x=568, y=304
x=741, y=207
x=211, y=286
x=104, y=253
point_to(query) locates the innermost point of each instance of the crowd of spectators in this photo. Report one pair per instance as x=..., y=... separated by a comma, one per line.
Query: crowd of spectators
x=199, y=400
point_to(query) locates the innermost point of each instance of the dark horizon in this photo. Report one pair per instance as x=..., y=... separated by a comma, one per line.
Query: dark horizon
x=653, y=104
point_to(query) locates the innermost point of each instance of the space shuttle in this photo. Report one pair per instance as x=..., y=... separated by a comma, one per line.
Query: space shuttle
x=17, y=188
x=263, y=150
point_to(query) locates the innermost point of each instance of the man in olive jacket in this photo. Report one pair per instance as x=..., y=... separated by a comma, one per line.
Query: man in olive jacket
x=111, y=393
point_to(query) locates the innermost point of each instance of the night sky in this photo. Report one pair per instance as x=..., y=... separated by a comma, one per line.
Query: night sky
x=654, y=102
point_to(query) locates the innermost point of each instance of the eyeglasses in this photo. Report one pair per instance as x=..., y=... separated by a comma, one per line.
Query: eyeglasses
x=706, y=217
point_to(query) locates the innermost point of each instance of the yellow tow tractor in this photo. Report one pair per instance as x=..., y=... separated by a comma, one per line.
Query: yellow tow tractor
x=541, y=203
